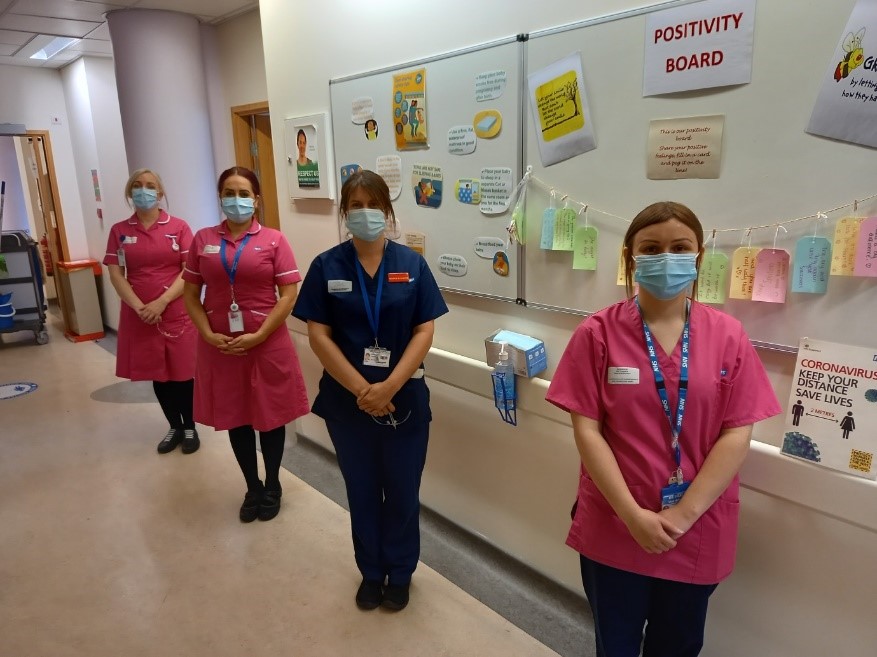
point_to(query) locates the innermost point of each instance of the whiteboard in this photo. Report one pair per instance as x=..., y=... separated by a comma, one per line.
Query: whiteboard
x=453, y=227
x=771, y=169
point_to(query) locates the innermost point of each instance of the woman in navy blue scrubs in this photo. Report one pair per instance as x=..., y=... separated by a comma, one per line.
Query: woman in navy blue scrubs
x=370, y=305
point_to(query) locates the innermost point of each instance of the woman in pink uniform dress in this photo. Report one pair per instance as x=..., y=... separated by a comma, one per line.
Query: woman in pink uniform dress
x=248, y=376
x=663, y=392
x=156, y=341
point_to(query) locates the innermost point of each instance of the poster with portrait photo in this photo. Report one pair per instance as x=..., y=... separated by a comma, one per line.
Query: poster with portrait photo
x=307, y=165
x=308, y=145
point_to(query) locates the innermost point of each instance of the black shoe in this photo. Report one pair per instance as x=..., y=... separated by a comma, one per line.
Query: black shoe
x=396, y=597
x=369, y=594
x=169, y=443
x=191, y=442
x=250, y=507
x=270, y=505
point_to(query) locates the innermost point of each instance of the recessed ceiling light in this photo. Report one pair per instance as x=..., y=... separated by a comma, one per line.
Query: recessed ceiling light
x=50, y=46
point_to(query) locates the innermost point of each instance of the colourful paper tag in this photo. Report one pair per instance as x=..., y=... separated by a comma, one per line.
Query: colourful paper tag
x=866, y=252
x=743, y=272
x=548, y=228
x=564, y=229
x=771, y=276
x=812, y=265
x=846, y=239
x=712, y=281
x=585, y=248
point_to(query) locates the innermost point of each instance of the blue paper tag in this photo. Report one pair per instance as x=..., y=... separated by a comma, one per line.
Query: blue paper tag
x=670, y=495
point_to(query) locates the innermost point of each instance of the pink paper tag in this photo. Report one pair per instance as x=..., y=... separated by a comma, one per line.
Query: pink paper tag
x=866, y=250
x=771, y=276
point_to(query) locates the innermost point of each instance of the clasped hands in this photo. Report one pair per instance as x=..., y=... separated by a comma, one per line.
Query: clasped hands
x=150, y=313
x=658, y=532
x=234, y=346
x=376, y=399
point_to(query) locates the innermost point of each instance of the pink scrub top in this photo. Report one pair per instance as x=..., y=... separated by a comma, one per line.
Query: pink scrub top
x=263, y=388
x=154, y=259
x=727, y=388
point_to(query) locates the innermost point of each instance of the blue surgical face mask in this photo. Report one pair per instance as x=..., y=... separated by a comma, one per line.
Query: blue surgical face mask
x=366, y=223
x=238, y=209
x=665, y=275
x=144, y=198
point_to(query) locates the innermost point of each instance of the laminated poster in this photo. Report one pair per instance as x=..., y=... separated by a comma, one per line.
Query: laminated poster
x=832, y=410
x=561, y=116
x=846, y=107
x=409, y=110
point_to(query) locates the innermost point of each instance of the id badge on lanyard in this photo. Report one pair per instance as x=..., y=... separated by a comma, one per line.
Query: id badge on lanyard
x=235, y=316
x=676, y=485
x=375, y=356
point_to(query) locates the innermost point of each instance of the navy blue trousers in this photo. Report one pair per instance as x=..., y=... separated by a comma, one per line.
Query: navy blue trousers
x=623, y=603
x=382, y=467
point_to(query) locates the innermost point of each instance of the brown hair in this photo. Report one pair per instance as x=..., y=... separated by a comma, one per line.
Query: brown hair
x=377, y=190
x=243, y=172
x=658, y=213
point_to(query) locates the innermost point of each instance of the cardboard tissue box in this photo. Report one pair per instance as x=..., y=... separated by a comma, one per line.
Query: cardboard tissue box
x=526, y=354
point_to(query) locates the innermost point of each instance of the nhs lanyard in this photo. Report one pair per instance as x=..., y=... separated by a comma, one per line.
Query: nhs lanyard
x=233, y=270
x=675, y=426
x=374, y=318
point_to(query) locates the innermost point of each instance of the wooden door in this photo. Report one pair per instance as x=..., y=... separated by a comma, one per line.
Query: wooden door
x=254, y=149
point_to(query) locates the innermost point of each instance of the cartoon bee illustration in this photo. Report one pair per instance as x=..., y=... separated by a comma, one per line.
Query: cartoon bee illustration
x=852, y=45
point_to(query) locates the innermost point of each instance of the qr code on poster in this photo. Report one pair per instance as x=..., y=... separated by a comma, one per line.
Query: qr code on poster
x=860, y=461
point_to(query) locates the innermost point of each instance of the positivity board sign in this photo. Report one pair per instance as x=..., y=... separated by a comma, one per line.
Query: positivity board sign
x=699, y=46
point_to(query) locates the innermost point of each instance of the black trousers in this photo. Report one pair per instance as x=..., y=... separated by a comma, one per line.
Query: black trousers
x=175, y=399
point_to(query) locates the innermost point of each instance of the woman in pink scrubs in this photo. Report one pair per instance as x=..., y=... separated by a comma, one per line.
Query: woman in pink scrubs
x=248, y=376
x=156, y=340
x=663, y=392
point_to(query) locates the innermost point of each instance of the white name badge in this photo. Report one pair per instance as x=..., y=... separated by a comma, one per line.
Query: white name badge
x=121, y=254
x=376, y=357
x=129, y=239
x=340, y=286
x=211, y=248
x=235, y=321
x=624, y=376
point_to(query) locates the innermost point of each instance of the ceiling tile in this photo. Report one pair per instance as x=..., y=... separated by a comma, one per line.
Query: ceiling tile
x=102, y=33
x=15, y=61
x=71, y=9
x=91, y=47
x=15, y=38
x=211, y=8
x=8, y=49
x=51, y=26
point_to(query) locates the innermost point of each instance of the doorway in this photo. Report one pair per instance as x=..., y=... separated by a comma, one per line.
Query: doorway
x=254, y=149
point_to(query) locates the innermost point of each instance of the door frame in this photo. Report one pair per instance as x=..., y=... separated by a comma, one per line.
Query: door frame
x=246, y=141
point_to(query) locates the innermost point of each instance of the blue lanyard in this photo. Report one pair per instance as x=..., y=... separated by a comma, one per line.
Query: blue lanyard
x=374, y=318
x=232, y=272
x=675, y=427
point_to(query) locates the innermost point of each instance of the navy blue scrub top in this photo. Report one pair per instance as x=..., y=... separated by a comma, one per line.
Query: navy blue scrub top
x=404, y=305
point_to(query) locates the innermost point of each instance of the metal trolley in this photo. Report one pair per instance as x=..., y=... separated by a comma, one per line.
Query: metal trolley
x=24, y=279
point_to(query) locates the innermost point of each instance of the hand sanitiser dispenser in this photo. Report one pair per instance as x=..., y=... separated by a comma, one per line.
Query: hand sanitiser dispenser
x=504, y=394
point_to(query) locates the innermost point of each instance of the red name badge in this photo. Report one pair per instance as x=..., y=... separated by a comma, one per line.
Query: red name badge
x=398, y=277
